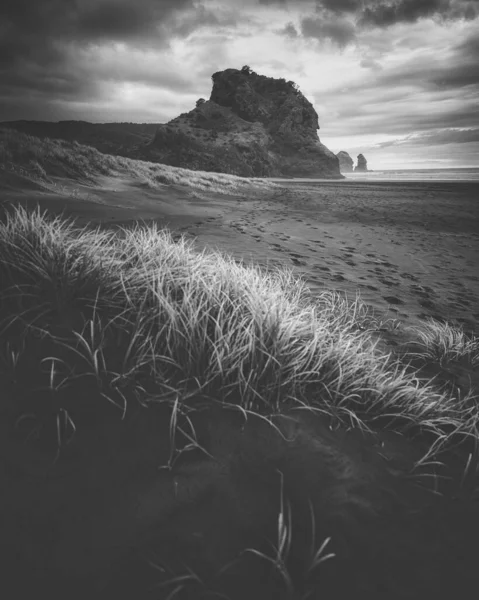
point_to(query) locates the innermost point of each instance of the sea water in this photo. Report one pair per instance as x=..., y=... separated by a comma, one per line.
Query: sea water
x=457, y=174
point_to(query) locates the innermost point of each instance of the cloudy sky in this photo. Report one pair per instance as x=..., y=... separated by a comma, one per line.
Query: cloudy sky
x=397, y=80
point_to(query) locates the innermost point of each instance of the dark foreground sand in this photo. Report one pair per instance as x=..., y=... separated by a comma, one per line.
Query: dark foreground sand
x=410, y=249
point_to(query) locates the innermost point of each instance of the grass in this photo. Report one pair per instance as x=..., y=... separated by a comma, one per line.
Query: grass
x=44, y=159
x=98, y=326
x=446, y=343
x=138, y=308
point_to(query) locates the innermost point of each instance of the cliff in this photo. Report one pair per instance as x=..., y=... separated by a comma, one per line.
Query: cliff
x=346, y=163
x=252, y=125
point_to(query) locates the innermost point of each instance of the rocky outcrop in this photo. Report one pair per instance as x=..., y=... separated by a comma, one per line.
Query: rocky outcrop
x=362, y=166
x=346, y=163
x=252, y=125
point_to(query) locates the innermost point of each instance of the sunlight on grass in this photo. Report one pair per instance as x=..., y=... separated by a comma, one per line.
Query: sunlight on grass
x=138, y=318
x=41, y=159
x=446, y=343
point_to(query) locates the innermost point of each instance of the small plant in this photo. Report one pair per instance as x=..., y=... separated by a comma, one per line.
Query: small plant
x=447, y=343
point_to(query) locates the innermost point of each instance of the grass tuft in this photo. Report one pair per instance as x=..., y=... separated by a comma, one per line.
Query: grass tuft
x=446, y=343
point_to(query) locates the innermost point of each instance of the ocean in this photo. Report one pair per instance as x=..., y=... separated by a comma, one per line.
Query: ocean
x=458, y=174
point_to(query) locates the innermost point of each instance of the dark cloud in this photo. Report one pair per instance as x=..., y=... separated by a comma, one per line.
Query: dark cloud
x=340, y=6
x=344, y=21
x=185, y=23
x=30, y=25
x=327, y=20
x=469, y=48
x=112, y=20
x=46, y=46
x=289, y=30
x=36, y=35
x=339, y=30
x=457, y=71
x=385, y=14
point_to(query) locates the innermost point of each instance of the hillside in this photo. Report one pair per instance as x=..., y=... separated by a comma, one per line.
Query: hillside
x=109, y=138
x=252, y=126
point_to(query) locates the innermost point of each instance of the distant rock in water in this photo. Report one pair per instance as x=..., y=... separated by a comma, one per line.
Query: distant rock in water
x=252, y=125
x=346, y=163
x=362, y=166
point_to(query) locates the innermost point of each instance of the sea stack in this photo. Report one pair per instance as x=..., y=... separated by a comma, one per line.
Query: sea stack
x=346, y=163
x=362, y=166
x=252, y=125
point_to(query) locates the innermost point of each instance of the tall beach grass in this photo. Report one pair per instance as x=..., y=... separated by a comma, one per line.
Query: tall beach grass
x=44, y=159
x=137, y=318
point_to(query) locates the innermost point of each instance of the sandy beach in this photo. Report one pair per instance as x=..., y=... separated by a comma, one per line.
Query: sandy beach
x=410, y=249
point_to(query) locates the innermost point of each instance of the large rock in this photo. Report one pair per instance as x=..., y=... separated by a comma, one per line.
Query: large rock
x=346, y=163
x=252, y=125
x=362, y=166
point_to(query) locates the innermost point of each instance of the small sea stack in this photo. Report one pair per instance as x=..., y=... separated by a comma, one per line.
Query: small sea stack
x=346, y=163
x=362, y=166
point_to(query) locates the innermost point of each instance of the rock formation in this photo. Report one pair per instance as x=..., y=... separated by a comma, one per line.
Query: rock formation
x=346, y=163
x=362, y=166
x=252, y=125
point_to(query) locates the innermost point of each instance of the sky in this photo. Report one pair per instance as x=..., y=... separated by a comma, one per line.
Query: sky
x=396, y=80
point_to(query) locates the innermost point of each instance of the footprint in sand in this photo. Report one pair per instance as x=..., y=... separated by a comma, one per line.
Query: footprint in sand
x=321, y=268
x=426, y=303
x=408, y=276
x=393, y=300
x=299, y=263
x=388, y=282
x=388, y=265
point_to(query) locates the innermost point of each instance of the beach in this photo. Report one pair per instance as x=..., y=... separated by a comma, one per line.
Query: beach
x=302, y=405
x=410, y=249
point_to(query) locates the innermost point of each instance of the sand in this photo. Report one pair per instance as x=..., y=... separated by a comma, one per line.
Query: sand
x=409, y=249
